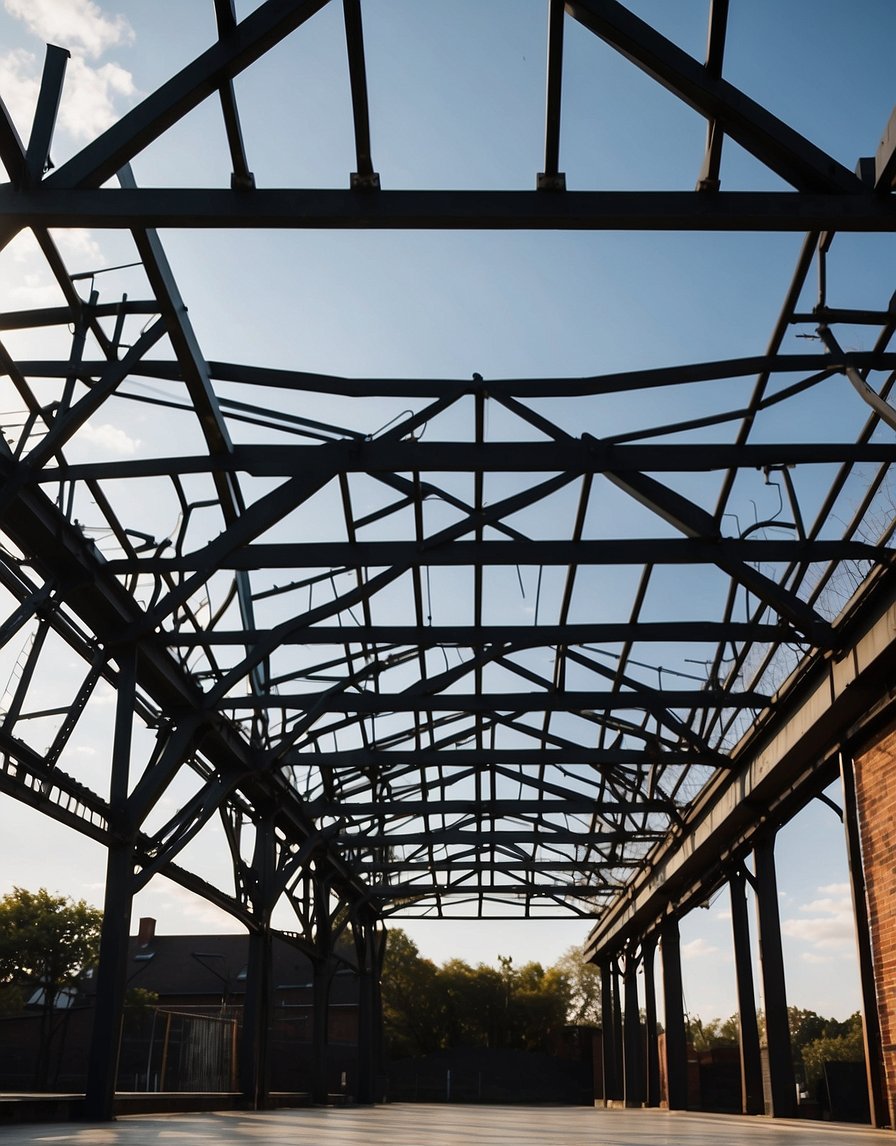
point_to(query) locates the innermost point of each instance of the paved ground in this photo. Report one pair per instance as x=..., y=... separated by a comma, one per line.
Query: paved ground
x=417, y=1125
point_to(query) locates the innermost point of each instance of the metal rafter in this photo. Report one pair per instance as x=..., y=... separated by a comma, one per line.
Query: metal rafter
x=379, y=756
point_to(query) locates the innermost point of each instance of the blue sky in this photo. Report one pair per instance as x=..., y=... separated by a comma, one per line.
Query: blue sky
x=457, y=96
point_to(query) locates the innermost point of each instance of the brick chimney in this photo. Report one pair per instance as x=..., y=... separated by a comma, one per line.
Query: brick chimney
x=147, y=931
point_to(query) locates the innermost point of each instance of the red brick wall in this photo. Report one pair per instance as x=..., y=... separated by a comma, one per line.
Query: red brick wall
x=876, y=796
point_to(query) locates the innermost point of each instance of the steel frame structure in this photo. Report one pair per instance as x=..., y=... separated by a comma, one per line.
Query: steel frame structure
x=363, y=759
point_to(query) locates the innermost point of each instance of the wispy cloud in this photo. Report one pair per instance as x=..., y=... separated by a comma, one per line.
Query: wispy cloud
x=109, y=438
x=826, y=922
x=698, y=948
x=92, y=93
x=89, y=104
x=79, y=25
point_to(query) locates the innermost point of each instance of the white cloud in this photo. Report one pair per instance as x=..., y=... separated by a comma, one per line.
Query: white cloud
x=827, y=922
x=78, y=243
x=109, y=438
x=75, y=24
x=20, y=84
x=91, y=93
x=88, y=105
x=698, y=948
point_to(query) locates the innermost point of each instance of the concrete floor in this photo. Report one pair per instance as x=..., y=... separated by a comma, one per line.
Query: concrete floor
x=418, y=1125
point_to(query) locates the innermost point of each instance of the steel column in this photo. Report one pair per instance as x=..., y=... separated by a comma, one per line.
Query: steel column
x=618, y=1031
x=369, y=965
x=648, y=952
x=673, y=1000
x=322, y=977
x=752, y=1101
x=611, y=1058
x=874, y=1064
x=254, y=1065
x=102, y=1063
x=634, y=1058
x=782, y=1099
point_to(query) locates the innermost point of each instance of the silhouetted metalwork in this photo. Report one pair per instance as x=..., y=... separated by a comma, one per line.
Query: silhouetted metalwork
x=367, y=749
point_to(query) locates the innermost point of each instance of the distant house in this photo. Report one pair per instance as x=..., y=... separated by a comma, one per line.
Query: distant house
x=184, y=1018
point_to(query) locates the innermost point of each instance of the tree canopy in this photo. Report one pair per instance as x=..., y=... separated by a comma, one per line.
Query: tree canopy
x=45, y=942
x=428, y=1008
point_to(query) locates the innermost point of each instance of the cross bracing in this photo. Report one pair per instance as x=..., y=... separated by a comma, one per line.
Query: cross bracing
x=435, y=645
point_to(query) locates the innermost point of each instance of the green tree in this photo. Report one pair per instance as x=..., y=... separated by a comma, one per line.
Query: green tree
x=583, y=984
x=846, y=1046
x=45, y=942
x=428, y=1008
x=413, y=1007
x=712, y=1033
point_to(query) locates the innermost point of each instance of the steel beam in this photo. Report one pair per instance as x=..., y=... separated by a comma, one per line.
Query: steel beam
x=791, y=751
x=161, y=207
x=765, y=136
x=727, y=553
x=574, y=455
x=470, y=636
x=582, y=703
x=816, y=366
x=262, y=30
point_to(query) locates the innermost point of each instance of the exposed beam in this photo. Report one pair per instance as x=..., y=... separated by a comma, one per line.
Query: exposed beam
x=573, y=456
x=632, y=551
x=515, y=757
x=467, y=636
x=159, y=207
x=621, y=382
x=262, y=30
x=545, y=835
x=487, y=810
x=486, y=887
x=567, y=701
x=794, y=749
x=765, y=136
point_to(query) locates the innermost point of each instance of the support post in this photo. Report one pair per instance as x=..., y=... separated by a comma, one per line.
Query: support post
x=112, y=970
x=254, y=1064
x=617, y=1031
x=611, y=1063
x=648, y=953
x=673, y=999
x=634, y=1059
x=752, y=1101
x=111, y=985
x=320, y=1033
x=782, y=1099
x=874, y=1063
x=369, y=966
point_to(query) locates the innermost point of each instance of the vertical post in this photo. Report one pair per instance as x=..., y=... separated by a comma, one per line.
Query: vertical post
x=102, y=1061
x=320, y=1031
x=634, y=1060
x=648, y=952
x=617, y=1030
x=366, y=946
x=752, y=1101
x=611, y=1065
x=673, y=1000
x=254, y=1064
x=874, y=1064
x=771, y=957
